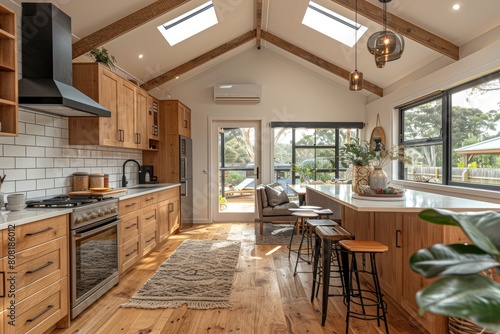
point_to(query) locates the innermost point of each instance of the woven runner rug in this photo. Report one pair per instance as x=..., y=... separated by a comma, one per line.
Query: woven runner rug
x=199, y=273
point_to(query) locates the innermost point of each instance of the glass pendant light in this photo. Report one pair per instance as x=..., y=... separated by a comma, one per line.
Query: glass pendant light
x=385, y=45
x=356, y=77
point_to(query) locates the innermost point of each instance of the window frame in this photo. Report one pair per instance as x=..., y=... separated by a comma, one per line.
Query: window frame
x=446, y=132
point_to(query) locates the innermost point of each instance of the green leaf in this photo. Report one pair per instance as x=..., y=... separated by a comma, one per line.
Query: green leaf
x=474, y=297
x=481, y=227
x=455, y=259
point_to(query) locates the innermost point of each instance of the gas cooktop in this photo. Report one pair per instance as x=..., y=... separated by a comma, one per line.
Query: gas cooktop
x=63, y=201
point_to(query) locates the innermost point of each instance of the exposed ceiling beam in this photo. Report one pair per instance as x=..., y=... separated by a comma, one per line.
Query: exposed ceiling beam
x=403, y=27
x=320, y=62
x=258, y=21
x=124, y=25
x=188, y=66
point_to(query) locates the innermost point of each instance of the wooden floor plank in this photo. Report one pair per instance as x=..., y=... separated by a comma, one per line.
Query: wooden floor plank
x=266, y=297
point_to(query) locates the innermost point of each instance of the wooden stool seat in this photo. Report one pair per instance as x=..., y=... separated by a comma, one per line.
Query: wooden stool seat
x=363, y=246
x=321, y=222
x=309, y=207
x=305, y=214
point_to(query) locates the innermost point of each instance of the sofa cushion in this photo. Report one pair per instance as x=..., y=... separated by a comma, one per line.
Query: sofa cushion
x=276, y=195
x=261, y=189
x=279, y=210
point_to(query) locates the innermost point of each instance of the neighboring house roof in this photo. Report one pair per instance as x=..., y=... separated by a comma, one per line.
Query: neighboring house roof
x=490, y=146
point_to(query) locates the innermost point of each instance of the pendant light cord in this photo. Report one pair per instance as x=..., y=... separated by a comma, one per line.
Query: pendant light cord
x=356, y=37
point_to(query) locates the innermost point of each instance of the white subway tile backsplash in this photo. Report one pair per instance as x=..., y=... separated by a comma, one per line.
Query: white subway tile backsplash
x=40, y=162
x=34, y=129
x=26, y=116
x=45, y=184
x=7, y=162
x=54, y=172
x=14, y=151
x=77, y=163
x=44, y=141
x=36, y=152
x=45, y=120
x=24, y=139
x=26, y=185
x=15, y=174
x=37, y=173
x=44, y=162
x=61, y=162
x=53, y=152
x=25, y=163
x=52, y=132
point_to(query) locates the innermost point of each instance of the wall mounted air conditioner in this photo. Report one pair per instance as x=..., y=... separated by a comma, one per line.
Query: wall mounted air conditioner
x=237, y=92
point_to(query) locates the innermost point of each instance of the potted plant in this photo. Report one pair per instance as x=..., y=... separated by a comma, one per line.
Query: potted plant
x=463, y=290
x=102, y=56
x=357, y=153
x=304, y=171
x=384, y=156
x=222, y=203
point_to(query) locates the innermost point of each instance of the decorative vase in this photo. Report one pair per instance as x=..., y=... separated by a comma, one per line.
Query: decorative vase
x=378, y=178
x=360, y=177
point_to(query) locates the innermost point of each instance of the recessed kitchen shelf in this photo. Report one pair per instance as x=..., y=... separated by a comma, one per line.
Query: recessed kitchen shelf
x=8, y=73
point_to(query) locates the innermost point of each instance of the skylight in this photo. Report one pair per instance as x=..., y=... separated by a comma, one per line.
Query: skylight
x=189, y=24
x=332, y=24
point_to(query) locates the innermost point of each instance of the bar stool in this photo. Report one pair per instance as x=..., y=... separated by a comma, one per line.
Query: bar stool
x=308, y=233
x=365, y=297
x=327, y=239
x=299, y=225
x=323, y=213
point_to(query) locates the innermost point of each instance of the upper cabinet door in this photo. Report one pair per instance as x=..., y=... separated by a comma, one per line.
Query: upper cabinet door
x=178, y=117
x=141, y=119
x=126, y=114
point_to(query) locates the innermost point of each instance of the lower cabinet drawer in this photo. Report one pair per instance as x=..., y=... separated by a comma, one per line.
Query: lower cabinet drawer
x=40, y=311
x=129, y=227
x=149, y=238
x=40, y=266
x=130, y=253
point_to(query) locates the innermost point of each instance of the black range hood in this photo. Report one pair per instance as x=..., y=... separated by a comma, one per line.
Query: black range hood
x=47, y=73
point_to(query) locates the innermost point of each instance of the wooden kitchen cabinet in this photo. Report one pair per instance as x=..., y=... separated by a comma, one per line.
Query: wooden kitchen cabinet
x=128, y=246
x=143, y=101
x=178, y=117
x=103, y=86
x=8, y=73
x=128, y=104
x=149, y=228
x=168, y=213
x=41, y=275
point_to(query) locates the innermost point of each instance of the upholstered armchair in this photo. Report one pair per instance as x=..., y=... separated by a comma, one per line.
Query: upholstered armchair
x=273, y=205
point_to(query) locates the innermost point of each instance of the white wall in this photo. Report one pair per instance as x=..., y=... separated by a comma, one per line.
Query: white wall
x=289, y=93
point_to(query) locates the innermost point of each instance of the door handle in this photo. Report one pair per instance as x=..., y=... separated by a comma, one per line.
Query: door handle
x=257, y=173
x=184, y=188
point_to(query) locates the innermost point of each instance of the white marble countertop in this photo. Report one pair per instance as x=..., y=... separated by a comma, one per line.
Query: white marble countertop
x=28, y=216
x=35, y=214
x=412, y=200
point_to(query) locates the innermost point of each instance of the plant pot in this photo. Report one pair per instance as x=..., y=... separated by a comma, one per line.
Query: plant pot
x=360, y=177
x=378, y=178
x=465, y=326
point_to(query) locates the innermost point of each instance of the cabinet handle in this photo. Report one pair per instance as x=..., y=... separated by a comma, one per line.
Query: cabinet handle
x=41, y=313
x=40, y=268
x=398, y=235
x=185, y=124
x=130, y=205
x=150, y=199
x=38, y=232
x=153, y=238
x=131, y=253
x=121, y=135
x=3, y=285
x=170, y=207
x=130, y=226
x=152, y=216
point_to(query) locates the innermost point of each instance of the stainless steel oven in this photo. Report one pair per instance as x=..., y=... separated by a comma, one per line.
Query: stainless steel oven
x=94, y=253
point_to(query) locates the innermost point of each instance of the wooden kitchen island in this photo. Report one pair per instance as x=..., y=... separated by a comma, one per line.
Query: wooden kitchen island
x=395, y=222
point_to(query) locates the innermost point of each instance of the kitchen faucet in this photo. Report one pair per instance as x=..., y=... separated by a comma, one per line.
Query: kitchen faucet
x=124, y=178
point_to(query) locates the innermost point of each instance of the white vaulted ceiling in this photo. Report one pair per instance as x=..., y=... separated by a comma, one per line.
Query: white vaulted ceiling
x=477, y=22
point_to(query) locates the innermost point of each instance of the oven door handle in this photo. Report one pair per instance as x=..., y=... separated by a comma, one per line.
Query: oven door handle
x=96, y=230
